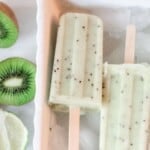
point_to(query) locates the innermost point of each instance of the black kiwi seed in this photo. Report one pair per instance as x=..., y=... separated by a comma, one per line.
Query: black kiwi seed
x=17, y=81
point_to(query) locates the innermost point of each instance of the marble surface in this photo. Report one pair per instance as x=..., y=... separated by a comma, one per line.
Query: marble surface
x=112, y=3
x=24, y=47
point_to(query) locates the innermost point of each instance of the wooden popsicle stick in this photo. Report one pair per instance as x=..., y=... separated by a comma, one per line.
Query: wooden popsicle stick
x=130, y=44
x=129, y=54
x=74, y=128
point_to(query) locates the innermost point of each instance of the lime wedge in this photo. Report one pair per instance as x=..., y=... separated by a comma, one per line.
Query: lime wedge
x=13, y=133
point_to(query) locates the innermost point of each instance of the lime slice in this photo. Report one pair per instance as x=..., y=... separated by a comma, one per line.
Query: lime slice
x=13, y=134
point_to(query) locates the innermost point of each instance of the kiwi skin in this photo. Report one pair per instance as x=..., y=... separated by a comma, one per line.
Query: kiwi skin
x=19, y=68
x=8, y=26
x=8, y=11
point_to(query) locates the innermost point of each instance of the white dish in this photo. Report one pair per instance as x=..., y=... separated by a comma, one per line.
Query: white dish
x=116, y=16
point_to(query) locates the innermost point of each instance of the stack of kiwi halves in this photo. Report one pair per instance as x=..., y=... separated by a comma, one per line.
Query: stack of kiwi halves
x=17, y=75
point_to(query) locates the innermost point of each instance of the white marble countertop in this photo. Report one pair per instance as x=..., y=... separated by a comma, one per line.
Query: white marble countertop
x=24, y=47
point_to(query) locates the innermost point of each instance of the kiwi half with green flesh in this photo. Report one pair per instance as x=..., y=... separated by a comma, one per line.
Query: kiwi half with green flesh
x=17, y=81
x=9, y=29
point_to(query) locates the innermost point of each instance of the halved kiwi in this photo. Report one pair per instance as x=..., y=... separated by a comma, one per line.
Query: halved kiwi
x=8, y=26
x=17, y=81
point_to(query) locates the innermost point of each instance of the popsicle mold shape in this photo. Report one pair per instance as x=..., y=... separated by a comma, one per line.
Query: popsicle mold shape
x=77, y=70
x=125, y=111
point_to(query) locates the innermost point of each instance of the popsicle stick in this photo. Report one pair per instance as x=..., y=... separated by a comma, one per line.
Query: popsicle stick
x=74, y=112
x=129, y=56
x=130, y=44
x=74, y=128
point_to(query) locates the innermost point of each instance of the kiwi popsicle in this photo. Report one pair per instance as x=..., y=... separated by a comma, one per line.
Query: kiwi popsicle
x=125, y=111
x=77, y=69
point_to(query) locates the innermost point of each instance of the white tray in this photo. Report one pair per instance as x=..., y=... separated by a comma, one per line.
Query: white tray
x=51, y=129
x=115, y=14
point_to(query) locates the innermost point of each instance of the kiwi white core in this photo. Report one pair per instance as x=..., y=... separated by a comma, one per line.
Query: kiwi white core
x=13, y=82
